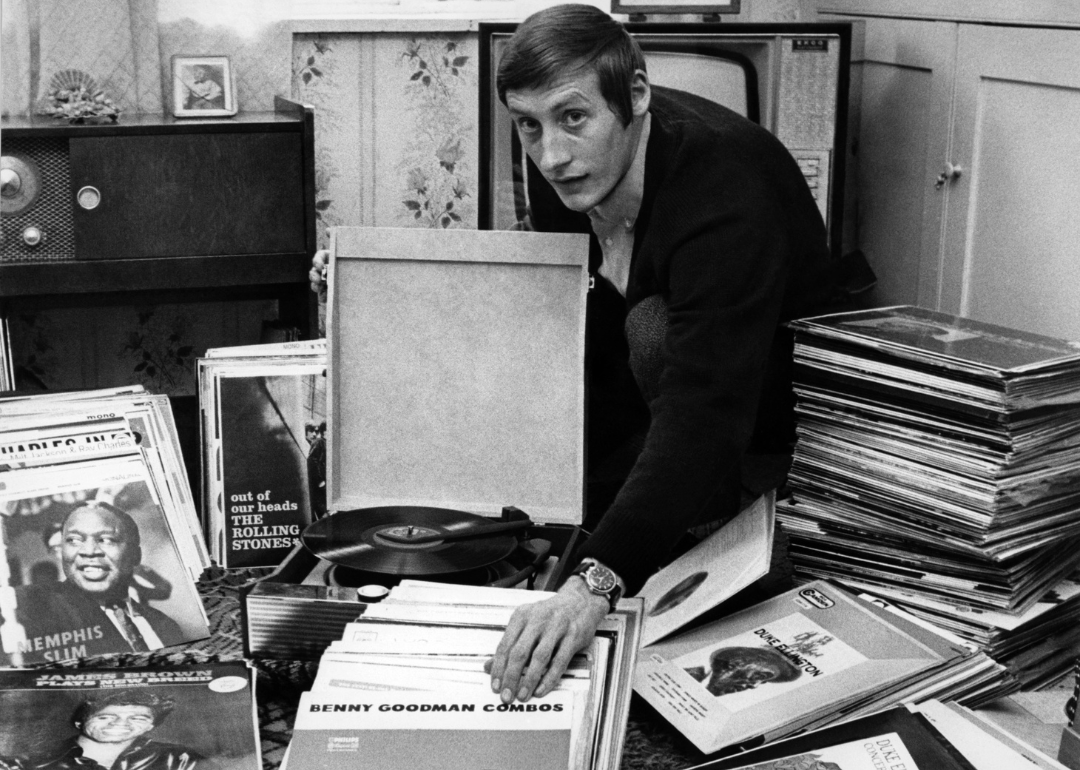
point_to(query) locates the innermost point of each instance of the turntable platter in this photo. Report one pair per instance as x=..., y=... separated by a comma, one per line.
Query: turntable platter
x=357, y=539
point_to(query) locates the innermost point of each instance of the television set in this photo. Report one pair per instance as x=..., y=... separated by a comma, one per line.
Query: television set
x=790, y=78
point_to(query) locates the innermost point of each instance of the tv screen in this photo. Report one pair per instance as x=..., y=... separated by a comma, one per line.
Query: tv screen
x=790, y=78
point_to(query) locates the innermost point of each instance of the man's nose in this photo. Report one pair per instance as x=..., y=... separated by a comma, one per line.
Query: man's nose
x=90, y=545
x=554, y=152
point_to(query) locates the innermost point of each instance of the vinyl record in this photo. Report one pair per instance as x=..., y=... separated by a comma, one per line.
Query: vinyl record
x=354, y=539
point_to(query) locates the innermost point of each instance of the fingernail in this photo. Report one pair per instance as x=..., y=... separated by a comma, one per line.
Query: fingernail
x=496, y=685
x=523, y=694
x=507, y=696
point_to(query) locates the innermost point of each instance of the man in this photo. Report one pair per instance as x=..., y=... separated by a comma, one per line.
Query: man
x=94, y=610
x=705, y=239
x=315, y=433
x=738, y=669
x=113, y=732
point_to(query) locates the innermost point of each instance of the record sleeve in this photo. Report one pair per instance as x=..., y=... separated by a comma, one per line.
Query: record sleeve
x=711, y=572
x=894, y=738
x=115, y=564
x=463, y=730
x=776, y=667
x=190, y=717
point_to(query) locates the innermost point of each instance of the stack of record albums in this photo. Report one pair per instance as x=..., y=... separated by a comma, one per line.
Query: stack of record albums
x=938, y=466
x=100, y=544
x=406, y=687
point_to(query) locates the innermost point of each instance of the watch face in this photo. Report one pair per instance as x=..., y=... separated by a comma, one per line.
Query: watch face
x=600, y=579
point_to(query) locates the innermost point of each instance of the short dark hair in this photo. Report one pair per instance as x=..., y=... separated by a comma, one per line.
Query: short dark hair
x=160, y=705
x=128, y=526
x=564, y=38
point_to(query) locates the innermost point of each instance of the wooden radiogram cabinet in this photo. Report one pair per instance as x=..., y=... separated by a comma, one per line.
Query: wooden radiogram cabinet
x=152, y=206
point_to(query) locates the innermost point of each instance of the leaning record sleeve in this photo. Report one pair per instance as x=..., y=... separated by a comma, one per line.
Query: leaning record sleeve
x=781, y=664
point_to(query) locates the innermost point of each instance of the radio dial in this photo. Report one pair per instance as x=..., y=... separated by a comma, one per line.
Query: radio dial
x=10, y=182
x=32, y=236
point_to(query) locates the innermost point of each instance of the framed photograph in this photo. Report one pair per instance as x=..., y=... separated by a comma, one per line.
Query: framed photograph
x=203, y=87
x=675, y=6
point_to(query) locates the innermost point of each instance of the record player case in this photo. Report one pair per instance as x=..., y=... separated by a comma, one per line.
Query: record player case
x=455, y=380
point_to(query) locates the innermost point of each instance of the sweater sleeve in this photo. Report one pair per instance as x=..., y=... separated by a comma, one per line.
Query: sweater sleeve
x=719, y=254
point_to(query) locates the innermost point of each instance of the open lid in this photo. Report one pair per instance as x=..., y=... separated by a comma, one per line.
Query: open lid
x=456, y=370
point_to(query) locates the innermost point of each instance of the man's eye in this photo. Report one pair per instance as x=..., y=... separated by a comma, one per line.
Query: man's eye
x=527, y=126
x=574, y=118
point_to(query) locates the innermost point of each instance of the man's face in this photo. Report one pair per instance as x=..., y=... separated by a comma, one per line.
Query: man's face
x=118, y=724
x=730, y=676
x=311, y=433
x=96, y=554
x=579, y=144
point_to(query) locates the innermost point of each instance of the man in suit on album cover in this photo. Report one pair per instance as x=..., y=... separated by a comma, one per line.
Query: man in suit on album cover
x=94, y=610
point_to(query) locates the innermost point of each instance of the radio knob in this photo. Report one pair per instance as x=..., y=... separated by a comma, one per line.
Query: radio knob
x=88, y=197
x=32, y=236
x=10, y=182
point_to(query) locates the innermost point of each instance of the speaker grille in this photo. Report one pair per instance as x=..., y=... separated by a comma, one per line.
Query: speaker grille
x=52, y=211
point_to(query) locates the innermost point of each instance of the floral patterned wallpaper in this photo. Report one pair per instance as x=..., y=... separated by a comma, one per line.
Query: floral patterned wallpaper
x=439, y=184
x=396, y=132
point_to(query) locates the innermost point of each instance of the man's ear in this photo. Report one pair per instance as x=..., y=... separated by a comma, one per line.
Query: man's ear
x=640, y=93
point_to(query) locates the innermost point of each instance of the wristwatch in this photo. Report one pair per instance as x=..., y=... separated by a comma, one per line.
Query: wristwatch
x=600, y=580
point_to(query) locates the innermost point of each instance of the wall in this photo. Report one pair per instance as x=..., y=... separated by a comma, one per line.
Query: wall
x=396, y=143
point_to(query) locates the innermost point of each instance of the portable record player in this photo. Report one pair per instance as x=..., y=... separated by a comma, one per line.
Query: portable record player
x=455, y=398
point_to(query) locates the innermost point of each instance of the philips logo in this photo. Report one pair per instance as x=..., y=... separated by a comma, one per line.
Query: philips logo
x=816, y=598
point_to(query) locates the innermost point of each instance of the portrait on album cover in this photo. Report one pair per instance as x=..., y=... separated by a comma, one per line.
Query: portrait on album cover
x=183, y=718
x=96, y=572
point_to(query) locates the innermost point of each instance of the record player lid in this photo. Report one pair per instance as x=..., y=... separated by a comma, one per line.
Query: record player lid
x=456, y=370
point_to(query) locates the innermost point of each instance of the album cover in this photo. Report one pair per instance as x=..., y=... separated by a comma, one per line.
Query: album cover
x=957, y=343
x=896, y=738
x=464, y=730
x=145, y=418
x=783, y=664
x=271, y=440
x=94, y=564
x=711, y=572
x=191, y=717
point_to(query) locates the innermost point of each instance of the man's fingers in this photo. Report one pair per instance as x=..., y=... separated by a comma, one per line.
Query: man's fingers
x=509, y=639
x=556, y=669
x=538, y=664
x=516, y=662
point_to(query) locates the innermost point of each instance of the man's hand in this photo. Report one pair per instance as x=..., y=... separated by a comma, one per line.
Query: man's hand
x=320, y=263
x=542, y=638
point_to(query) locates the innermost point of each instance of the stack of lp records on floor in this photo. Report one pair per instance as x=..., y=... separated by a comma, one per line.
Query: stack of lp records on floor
x=263, y=426
x=938, y=460
x=405, y=687
x=100, y=544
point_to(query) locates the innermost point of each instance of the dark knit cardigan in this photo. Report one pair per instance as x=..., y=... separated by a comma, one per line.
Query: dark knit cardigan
x=730, y=243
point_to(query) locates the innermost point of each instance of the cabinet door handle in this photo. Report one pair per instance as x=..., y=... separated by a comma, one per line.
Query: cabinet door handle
x=950, y=173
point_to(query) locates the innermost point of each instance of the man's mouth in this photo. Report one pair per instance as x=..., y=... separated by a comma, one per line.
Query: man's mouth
x=94, y=572
x=567, y=181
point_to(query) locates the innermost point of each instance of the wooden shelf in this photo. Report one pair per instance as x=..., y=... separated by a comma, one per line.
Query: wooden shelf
x=21, y=279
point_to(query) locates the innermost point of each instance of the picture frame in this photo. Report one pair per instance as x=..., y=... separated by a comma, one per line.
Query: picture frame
x=203, y=87
x=706, y=7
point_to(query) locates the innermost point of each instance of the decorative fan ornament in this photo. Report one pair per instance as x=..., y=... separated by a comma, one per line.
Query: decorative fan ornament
x=72, y=80
x=75, y=97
